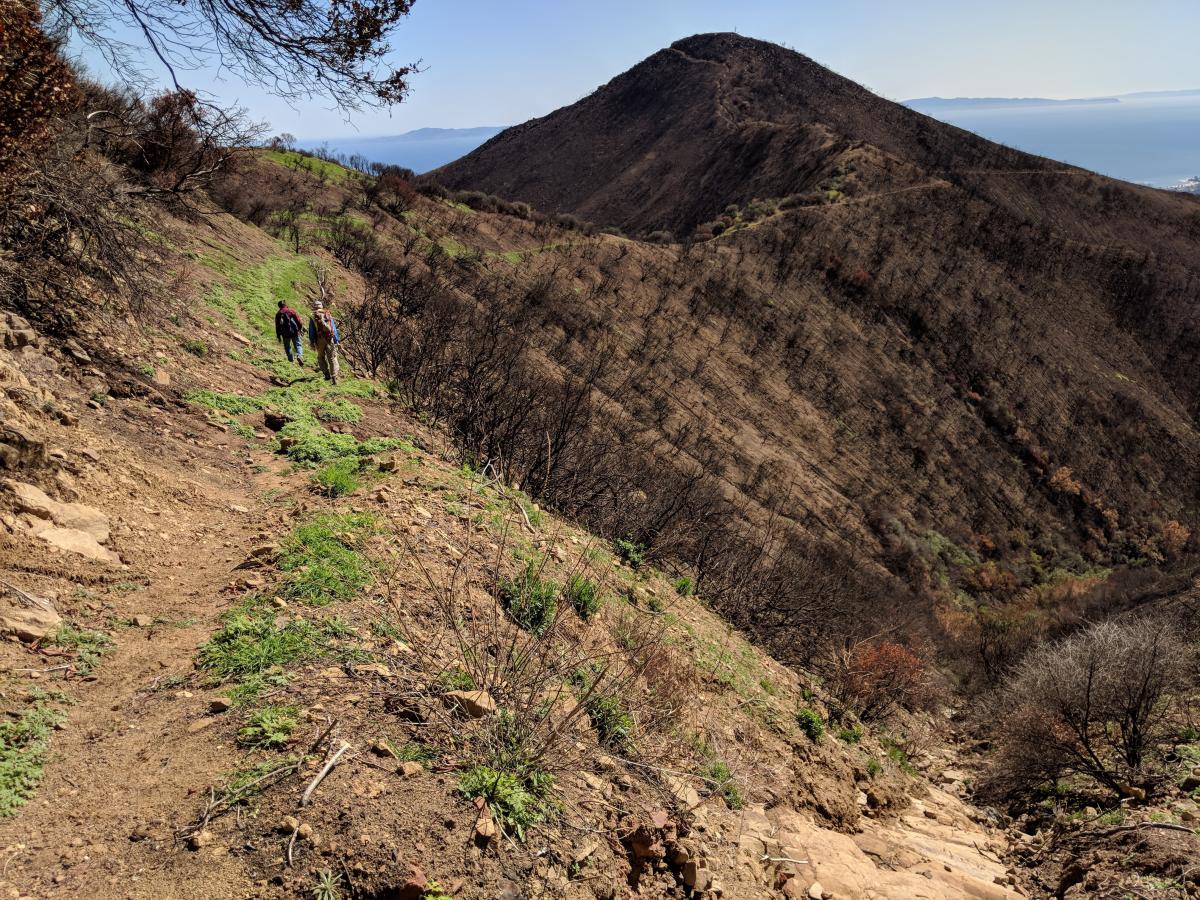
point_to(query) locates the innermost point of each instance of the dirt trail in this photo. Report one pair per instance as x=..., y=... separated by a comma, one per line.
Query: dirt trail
x=125, y=764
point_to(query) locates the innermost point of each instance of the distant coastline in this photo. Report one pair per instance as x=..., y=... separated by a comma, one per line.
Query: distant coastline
x=942, y=104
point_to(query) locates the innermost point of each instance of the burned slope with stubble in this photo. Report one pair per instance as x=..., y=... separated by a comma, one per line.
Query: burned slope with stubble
x=973, y=365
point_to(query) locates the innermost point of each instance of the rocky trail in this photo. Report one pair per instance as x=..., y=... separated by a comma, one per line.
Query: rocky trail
x=148, y=509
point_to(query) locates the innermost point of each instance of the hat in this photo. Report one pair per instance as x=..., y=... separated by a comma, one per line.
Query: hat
x=317, y=304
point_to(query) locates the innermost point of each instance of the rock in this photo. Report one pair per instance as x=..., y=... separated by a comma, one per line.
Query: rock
x=413, y=887
x=696, y=876
x=241, y=338
x=161, y=377
x=33, y=500
x=19, y=449
x=815, y=891
x=142, y=621
x=16, y=332
x=409, y=768
x=74, y=541
x=220, y=704
x=384, y=749
x=305, y=833
x=391, y=463
x=1190, y=783
x=475, y=704
x=237, y=508
x=27, y=617
x=200, y=839
x=199, y=725
x=77, y=353
x=485, y=830
x=683, y=792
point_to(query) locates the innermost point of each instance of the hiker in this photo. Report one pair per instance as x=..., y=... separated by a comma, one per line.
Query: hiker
x=323, y=335
x=288, y=329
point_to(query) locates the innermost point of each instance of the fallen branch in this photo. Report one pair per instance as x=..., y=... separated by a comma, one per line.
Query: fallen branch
x=787, y=859
x=321, y=775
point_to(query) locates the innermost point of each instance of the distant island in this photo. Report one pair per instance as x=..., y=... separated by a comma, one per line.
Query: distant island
x=942, y=104
x=420, y=150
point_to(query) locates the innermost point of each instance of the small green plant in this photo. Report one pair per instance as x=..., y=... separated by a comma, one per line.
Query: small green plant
x=631, y=552
x=321, y=562
x=339, y=410
x=874, y=767
x=456, y=679
x=145, y=369
x=24, y=744
x=89, y=646
x=530, y=600
x=584, y=595
x=810, y=723
x=611, y=721
x=249, y=644
x=328, y=886
x=655, y=605
x=413, y=751
x=684, y=586
x=338, y=478
x=435, y=891
x=718, y=773
x=850, y=735
x=268, y=727
x=517, y=803
x=231, y=404
x=196, y=347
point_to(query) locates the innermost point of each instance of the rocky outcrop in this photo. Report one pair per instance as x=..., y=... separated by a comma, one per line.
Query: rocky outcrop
x=73, y=527
x=26, y=617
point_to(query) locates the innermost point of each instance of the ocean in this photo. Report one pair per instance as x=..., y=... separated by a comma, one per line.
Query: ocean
x=1149, y=140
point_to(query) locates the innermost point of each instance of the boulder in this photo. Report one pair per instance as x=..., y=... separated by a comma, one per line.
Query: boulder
x=475, y=704
x=33, y=500
x=27, y=617
x=19, y=449
x=75, y=541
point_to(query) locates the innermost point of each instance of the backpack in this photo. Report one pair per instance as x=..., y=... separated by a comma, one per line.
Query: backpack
x=291, y=324
x=324, y=325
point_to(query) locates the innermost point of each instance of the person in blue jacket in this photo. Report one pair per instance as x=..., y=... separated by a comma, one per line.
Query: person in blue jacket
x=324, y=338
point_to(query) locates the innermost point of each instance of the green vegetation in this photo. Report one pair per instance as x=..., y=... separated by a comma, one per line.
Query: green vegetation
x=851, y=735
x=196, y=347
x=516, y=802
x=251, y=298
x=718, y=773
x=339, y=410
x=89, y=646
x=530, y=599
x=684, y=586
x=631, y=552
x=874, y=767
x=24, y=744
x=321, y=562
x=321, y=168
x=584, y=595
x=268, y=727
x=810, y=723
x=611, y=721
x=456, y=679
x=231, y=404
x=249, y=644
x=328, y=886
x=338, y=478
x=413, y=751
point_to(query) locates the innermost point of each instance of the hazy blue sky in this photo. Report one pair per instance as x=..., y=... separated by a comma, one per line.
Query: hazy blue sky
x=499, y=62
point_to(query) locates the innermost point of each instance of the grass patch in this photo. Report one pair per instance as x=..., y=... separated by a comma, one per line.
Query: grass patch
x=456, y=679
x=338, y=478
x=718, y=773
x=612, y=722
x=249, y=645
x=530, y=600
x=230, y=404
x=268, y=727
x=24, y=745
x=851, y=735
x=684, y=586
x=631, y=552
x=810, y=723
x=339, y=410
x=321, y=561
x=413, y=751
x=584, y=595
x=89, y=646
x=517, y=803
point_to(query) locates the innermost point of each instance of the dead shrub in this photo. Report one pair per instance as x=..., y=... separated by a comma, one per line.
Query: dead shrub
x=1098, y=704
x=873, y=680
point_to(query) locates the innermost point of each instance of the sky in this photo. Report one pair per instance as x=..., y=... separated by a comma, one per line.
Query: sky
x=501, y=62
